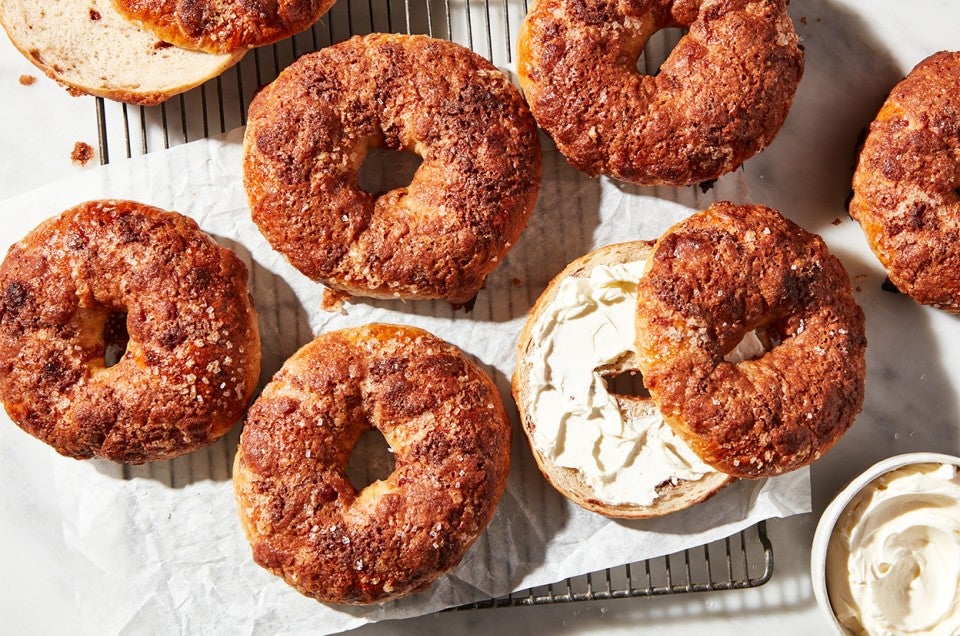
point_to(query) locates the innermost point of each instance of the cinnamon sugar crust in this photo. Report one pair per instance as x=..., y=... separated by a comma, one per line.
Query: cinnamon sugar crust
x=309, y=131
x=222, y=26
x=720, y=97
x=142, y=281
x=710, y=280
x=442, y=418
x=907, y=183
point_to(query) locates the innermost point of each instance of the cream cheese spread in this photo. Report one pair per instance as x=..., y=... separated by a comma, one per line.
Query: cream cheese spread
x=579, y=423
x=893, y=562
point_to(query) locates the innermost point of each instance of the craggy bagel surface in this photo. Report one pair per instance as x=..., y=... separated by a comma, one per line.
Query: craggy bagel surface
x=710, y=280
x=444, y=421
x=223, y=26
x=907, y=183
x=719, y=98
x=149, y=283
x=440, y=237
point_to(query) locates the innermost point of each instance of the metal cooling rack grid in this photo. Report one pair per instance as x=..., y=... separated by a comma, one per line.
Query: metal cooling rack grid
x=488, y=27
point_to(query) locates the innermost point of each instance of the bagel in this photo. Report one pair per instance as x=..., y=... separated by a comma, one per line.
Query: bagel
x=712, y=279
x=88, y=47
x=223, y=26
x=309, y=131
x=632, y=466
x=719, y=98
x=445, y=424
x=125, y=276
x=906, y=188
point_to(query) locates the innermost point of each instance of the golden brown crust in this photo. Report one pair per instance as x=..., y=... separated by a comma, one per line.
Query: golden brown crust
x=712, y=279
x=308, y=133
x=222, y=26
x=907, y=183
x=193, y=356
x=569, y=482
x=450, y=436
x=719, y=98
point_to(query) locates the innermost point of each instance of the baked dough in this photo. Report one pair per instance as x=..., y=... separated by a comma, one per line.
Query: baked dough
x=709, y=281
x=123, y=275
x=906, y=189
x=86, y=46
x=719, y=98
x=309, y=131
x=445, y=423
x=671, y=496
x=223, y=26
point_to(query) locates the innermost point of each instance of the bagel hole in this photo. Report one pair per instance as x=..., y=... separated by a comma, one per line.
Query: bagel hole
x=384, y=169
x=627, y=384
x=371, y=460
x=753, y=345
x=115, y=338
x=658, y=48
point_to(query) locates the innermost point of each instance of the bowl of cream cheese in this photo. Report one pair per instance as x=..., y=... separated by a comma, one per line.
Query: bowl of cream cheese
x=886, y=553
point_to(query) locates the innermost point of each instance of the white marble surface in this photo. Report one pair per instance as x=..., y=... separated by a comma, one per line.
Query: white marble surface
x=855, y=51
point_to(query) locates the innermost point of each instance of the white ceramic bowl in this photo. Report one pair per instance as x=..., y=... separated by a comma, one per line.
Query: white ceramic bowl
x=828, y=520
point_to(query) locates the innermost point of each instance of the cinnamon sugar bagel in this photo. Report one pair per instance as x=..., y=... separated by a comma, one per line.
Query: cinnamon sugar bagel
x=442, y=418
x=223, y=26
x=609, y=452
x=711, y=280
x=308, y=134
x=906, y=188
x=88, y=47
x=719, y=98
x=123, y=276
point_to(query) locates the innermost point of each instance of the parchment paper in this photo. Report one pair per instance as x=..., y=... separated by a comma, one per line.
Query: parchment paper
x=160, y=545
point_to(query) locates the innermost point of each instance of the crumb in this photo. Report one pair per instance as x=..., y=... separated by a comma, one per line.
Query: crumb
x=333, y=300
x=858, y=289
x=162, y=45
x=28, y=80
x=82, y=153
x=859, y=277
x=803, y=20
x=94, y=15
x=836, y=221
x=516, y=282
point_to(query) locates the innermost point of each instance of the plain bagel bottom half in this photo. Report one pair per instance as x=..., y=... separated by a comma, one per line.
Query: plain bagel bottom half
x=671, y=495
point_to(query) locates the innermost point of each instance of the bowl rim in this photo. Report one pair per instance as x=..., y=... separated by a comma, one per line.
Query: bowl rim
x=831, y=514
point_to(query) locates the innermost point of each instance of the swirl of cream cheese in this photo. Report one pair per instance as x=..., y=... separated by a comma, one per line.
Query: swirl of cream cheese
x=893, y=562
x=588, y=325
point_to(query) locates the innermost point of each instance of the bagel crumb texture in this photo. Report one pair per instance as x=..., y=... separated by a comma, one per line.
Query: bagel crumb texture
x=710, y=280
x=149, y=284
x=907, y=183
x=444, y=421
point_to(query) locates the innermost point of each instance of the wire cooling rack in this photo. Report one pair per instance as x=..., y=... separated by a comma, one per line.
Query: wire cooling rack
x=489, y=27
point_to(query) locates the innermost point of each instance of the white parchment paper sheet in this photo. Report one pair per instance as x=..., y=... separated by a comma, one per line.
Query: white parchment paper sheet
x=160, y=545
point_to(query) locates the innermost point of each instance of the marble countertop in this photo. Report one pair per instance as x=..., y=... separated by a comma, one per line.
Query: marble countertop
x=856, y=50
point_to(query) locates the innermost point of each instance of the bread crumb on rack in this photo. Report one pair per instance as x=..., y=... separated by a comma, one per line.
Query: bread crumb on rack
x=82, y=153
x=28, y=80
x=333, y=300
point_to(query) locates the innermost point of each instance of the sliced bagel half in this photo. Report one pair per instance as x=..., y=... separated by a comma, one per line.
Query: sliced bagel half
x=88, y=47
